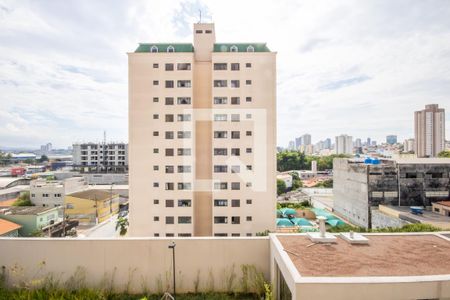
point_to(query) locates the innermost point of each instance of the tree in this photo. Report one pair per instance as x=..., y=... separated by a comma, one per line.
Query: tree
x=122, y=225
x=43, y=158
x=296, y=181
x=23, y=200
x=325, y=184
x=281, y=187
x=5, y=159
x=445, y=154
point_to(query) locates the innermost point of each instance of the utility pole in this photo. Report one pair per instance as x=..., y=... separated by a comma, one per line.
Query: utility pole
x=172, y=246
x=110, y=199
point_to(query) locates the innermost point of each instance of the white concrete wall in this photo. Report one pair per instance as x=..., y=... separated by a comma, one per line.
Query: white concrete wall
x=142, y=262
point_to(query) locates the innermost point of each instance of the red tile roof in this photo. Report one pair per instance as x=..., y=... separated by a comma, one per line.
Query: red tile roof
x=7, y=226
x=445, y=203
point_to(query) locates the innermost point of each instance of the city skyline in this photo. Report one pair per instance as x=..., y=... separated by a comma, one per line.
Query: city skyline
x=72, y=91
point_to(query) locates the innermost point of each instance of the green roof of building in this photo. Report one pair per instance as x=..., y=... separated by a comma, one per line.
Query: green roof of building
x=242, y=47
x=142, y=48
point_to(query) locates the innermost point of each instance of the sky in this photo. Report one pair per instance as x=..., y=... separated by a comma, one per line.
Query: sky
x=343, y=67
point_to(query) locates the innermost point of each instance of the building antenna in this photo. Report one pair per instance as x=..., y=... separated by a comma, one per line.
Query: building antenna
x=200, y=12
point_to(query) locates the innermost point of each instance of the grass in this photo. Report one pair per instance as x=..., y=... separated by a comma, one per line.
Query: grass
x=417, y=227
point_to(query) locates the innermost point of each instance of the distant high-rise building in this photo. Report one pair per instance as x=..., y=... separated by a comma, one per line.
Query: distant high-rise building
x=358, y=143
x=291, y=145
x=408, y=145
x=391, y=139
x=368, y=142
x=298, y=142
x=344, y=144
x=202, y=124
x=306, y=139
x=327, y=143
x=429, y=131
x=46, y=148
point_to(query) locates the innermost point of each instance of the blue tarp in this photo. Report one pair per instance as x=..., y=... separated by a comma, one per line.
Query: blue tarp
x=288, y=211
x=281, y=222
x=301, y=222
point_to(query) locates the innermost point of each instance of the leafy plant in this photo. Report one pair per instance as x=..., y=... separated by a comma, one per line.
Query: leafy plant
x=23, y=200
x=122, y=225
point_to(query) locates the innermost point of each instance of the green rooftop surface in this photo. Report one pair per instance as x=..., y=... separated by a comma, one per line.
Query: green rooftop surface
x=242, y=47
x=163, y=47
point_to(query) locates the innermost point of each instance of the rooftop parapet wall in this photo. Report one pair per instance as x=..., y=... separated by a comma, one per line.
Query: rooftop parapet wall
x=143, y=264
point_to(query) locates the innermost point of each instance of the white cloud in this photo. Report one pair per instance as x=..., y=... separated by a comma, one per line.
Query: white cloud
x=356, y=67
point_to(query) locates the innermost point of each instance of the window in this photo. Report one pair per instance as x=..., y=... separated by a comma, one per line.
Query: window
x=155, y=133
x=235, y=203
x=155, y=184
x=155, y=168
x=248, y=82
x=170, y=49
x=183, y=117
x=248, y=184
x=235, y=169
x=208, y=31
x=234, y=49
x=220, y=202
x=236, y=234
x=184, y=134
x=220, y=117
x=169, y=220
x=69, y=206
x=411, y=175
x=184, y=151
x=184, y=203
x=155, y=116
x=220, y=83
x=220, y=234
x=45, y=195
x=235, y=220
x=184, y=83
x=220, y=169
x=235, y=134
x=235, y=185
x=169, y=135
x=155, y=99
x=170, y=234
x=220, y=66
x=155, y=150
x=248, y=133
x=248, y=116
x=220, y=151
x=169, y=203
x=199, y=31
x=169, y=67
x=248, y=65
x=220, y=134
x=235, y=83
x=155, y=82
x=184, y=100
x=169, y=152
x=248, y=99
x=154, y=49
x=220, y=100
x=249, y=218
x=169, y=100
x=220, y=185
x=169, y=118
x=155, y=66
x=235, y=118
x=249, y=167
x=235, y=67
x=250, y=49
x=169, y=186
x=183, y=66
x=248, y=150
x=156, y=219
x=184, y=186
x=220, y=220
x=249, y=201
x=235, y=152
x=184, y=220
x=155, y=201
x=184, y=169
x=169, y=169
x=235, y=100
x=169, y=84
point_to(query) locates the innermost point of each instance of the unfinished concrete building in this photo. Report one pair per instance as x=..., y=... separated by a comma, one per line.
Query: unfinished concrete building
x=361, y=186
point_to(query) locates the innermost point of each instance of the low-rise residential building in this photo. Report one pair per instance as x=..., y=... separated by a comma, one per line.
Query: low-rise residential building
x=9, y=229
x=91, y=206
x=287, y=178
x=52, y=192
x=442, y=207
x=31, y=218
x=362, y=185
x=100, y=157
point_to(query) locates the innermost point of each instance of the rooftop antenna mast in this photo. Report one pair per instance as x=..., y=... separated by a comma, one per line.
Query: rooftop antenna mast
x=200, y=12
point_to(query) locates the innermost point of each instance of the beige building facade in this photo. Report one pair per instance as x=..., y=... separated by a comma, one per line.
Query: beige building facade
x=429, y=129
x=202, y=132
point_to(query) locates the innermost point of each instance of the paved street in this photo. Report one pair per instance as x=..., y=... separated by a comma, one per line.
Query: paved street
x=105, y=229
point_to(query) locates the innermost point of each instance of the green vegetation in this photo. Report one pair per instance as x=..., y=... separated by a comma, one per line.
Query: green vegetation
x=325, y=184
x=122, y=225
x=445, y=154
x=281, y=187
x=23, y=200
x=302, y=205
x=417, y=227
x=296, y=160
x=5, y=159
x=43, y=158
x=296, y=181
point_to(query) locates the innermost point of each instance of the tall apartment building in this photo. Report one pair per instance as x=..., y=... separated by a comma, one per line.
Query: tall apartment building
x=429, y=130
x=391, y=139
x=100, y=157
x=344, y=144
x=408, y=145
x=202, y=132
